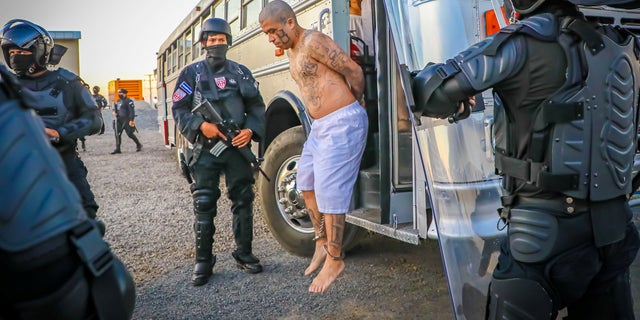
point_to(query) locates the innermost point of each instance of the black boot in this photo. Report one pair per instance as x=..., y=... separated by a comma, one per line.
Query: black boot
x=202, y=272
x=247, y=262
x=243, y=232
x=118, y=142
x=138, y=144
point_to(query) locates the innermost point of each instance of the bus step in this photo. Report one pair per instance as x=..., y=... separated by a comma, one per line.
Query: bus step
x=403, y=232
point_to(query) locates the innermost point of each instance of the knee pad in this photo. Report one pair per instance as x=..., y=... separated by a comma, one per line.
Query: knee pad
x=125, y=285
x=70, y=301
x=518, y=298
x=205, y=201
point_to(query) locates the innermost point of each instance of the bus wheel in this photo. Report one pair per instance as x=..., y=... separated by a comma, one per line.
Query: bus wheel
x=284, y=208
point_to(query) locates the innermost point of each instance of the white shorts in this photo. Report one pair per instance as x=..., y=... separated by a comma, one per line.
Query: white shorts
x=330, y=158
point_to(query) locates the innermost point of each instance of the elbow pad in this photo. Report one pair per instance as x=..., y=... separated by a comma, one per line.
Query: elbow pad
x=429, y=100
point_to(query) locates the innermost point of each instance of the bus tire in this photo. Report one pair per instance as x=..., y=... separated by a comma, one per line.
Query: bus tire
x=292, y=228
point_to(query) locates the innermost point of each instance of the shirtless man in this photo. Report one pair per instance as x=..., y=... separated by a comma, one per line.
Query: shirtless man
x=332, y=87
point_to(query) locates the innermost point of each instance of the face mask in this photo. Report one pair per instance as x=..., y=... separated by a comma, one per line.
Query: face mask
x=22, y=64
x=216, y=54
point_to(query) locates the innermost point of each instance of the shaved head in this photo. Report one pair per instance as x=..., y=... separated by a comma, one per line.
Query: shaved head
x=277, y=10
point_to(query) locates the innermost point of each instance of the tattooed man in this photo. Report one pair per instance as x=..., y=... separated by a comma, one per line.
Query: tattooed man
x=332, y=87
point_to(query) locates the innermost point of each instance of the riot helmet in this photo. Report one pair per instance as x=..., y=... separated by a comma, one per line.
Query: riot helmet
x=526, y=6
x=215, y=25
x=27, y=36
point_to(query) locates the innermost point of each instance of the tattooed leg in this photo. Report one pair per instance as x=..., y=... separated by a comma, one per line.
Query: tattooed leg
x=333, y=264
x=320, y=237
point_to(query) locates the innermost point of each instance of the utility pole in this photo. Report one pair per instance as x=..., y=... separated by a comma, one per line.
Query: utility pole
x=150, y=94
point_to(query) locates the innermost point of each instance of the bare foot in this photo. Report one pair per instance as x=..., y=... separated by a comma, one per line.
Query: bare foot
x=318, y=257
x=331, y=270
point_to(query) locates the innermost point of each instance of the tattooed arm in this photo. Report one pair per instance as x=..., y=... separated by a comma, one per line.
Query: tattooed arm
x=322, y=48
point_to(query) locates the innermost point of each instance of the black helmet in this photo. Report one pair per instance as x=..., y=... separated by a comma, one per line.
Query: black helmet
x=123, y=90
x=215, y=25
x=526, y=6
x=96, y=88
x=27, y=36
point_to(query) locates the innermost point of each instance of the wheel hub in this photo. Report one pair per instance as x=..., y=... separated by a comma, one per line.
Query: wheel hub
x=290, y=200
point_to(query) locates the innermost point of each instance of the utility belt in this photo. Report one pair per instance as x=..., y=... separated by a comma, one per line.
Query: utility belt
x=540, y=229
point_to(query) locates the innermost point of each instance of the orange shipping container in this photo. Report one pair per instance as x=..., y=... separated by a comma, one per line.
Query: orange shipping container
x=133, y=87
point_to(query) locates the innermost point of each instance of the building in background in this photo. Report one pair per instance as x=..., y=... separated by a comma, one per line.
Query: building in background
x=71, y=40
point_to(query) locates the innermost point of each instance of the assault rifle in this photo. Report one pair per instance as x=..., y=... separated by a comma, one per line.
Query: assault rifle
x=230, y=130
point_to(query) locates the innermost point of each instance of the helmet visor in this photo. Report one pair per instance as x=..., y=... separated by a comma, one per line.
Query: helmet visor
x=21, y=34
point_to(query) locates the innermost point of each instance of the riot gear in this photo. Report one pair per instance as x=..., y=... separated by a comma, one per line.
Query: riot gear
x=45, y=234
x=565, y=138
x=232, y=90
x=216, y=26
x=28, y=36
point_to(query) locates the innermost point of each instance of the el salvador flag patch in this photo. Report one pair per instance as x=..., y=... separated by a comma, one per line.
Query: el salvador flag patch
x=186, y=88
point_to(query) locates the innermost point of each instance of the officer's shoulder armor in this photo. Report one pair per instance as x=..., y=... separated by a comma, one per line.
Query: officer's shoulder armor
x=67, y=75
x=541, y=26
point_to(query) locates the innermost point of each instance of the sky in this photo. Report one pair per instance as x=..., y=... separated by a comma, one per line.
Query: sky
x=119, y=38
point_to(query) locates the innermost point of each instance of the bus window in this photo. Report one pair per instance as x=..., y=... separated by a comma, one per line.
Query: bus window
x=180, y=52
x=196, y=41
x=187, y=47
x=218, y=10
x=250, y=12
x=174, y=57
x=233, y=16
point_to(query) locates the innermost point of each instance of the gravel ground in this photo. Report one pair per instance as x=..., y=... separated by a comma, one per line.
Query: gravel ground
x=147, y=208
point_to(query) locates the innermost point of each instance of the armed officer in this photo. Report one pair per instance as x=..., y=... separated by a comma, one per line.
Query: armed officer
x=101, y=101
x=54, y=263
x=64, y=104
x=566, y=96
x=124, y=115
x=234, y=93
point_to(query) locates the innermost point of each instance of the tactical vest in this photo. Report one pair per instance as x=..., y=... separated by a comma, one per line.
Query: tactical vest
x=585, y=135
x=44, y=203
x=50, y=103
x=225, y=90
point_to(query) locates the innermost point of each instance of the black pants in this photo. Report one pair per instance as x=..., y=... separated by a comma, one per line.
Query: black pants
x=123, y=125
x=593, y=283
x=77, y=173
x=239, y=181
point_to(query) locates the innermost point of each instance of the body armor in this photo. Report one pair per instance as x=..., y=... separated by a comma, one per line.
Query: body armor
x=44, y=232
x=584, y=136
x=227, y=90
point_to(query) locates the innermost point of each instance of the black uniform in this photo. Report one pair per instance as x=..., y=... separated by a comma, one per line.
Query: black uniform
x=234, y=93
x=102, y=103
x=125, y=113
x=65, y=105
x=53, y=261
x=570, y=240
